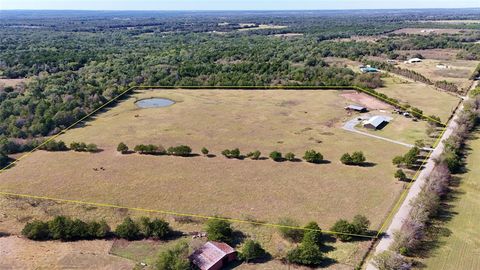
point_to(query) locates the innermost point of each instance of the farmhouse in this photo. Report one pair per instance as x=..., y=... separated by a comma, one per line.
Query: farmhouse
x=213, y=256
x=356, y=108
x=376, y=122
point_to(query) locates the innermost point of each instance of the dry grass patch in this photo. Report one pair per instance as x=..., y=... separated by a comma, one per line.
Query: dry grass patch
x=19, y=253
x=12, y=82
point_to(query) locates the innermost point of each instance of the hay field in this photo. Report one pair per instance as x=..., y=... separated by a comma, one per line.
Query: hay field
x=461, y=249
x=420, y=95
x=261, y=190
x=458, y=71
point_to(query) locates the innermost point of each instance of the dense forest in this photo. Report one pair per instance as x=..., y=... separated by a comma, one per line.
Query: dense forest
x=76, y=61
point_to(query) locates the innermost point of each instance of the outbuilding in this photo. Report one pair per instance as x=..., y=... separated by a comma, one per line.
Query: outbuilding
x=213, y=256
x=368, y=69
x=442, y=66
x=413, y=60
x=376, y=122
x=356, y=108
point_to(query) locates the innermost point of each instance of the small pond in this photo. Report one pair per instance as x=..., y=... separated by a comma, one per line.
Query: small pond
x=154, y=103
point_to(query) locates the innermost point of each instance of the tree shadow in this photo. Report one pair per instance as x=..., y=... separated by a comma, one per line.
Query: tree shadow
x=321, y=162
x=238, y=237
x=367, y=164
x=328, y=238
x=266, y=258
x=211, y=155
x=328, y=262
x=327, y=248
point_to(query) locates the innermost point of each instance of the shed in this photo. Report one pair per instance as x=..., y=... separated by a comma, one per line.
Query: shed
x=376, y=122
x=368, y=69
x=414, y=60
x=213, y=256
x=442, y=66
x=356, y=108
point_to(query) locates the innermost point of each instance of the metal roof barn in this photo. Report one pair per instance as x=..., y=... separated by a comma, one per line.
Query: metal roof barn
x=356, y=108
x=213, y=256
x=376, y=122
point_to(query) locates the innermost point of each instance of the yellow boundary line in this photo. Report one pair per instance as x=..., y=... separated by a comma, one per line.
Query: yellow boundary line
x=233, y=220
x=204, y=216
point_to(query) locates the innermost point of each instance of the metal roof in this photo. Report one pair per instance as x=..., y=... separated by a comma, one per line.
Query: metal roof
x=355, y=107
x=368, y=69
x=210, y=253
x=377, y=120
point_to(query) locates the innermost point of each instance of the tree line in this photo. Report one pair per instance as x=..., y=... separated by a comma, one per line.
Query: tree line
x=68, y=229
x=311, y=156
x=416, y=230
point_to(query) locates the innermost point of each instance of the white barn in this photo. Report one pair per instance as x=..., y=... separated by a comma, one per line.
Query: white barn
x=376, y=122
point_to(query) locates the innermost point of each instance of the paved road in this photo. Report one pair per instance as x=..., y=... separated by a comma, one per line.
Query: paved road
x=350, y=126
x=416, y=187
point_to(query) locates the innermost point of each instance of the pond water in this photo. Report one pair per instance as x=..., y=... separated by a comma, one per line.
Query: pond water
x=154, y=103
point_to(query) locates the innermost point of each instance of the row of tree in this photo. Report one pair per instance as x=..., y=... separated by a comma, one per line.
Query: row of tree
x=55, y=146
x=151, y=149
x=68, y=229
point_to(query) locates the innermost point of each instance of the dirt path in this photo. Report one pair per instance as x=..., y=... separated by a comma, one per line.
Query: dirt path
x=415, y=189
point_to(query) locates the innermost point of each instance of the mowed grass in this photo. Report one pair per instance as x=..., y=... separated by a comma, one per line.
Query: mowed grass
x=401, y=129
x=461, y=249
x=422, y=96
x=257, y=190
x=458, y=71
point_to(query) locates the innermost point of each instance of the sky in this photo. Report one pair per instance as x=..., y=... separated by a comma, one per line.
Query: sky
x=232, y=4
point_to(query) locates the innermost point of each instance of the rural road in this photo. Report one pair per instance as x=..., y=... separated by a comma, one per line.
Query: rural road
x=416, y=187
x=350, y=126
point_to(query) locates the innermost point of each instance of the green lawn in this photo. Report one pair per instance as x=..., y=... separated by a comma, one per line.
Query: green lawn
x=461, y=249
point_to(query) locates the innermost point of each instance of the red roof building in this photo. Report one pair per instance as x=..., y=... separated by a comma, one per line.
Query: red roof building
x=213, y=256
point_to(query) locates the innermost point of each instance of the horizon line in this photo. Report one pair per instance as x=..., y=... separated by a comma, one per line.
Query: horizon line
x=239, y=10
